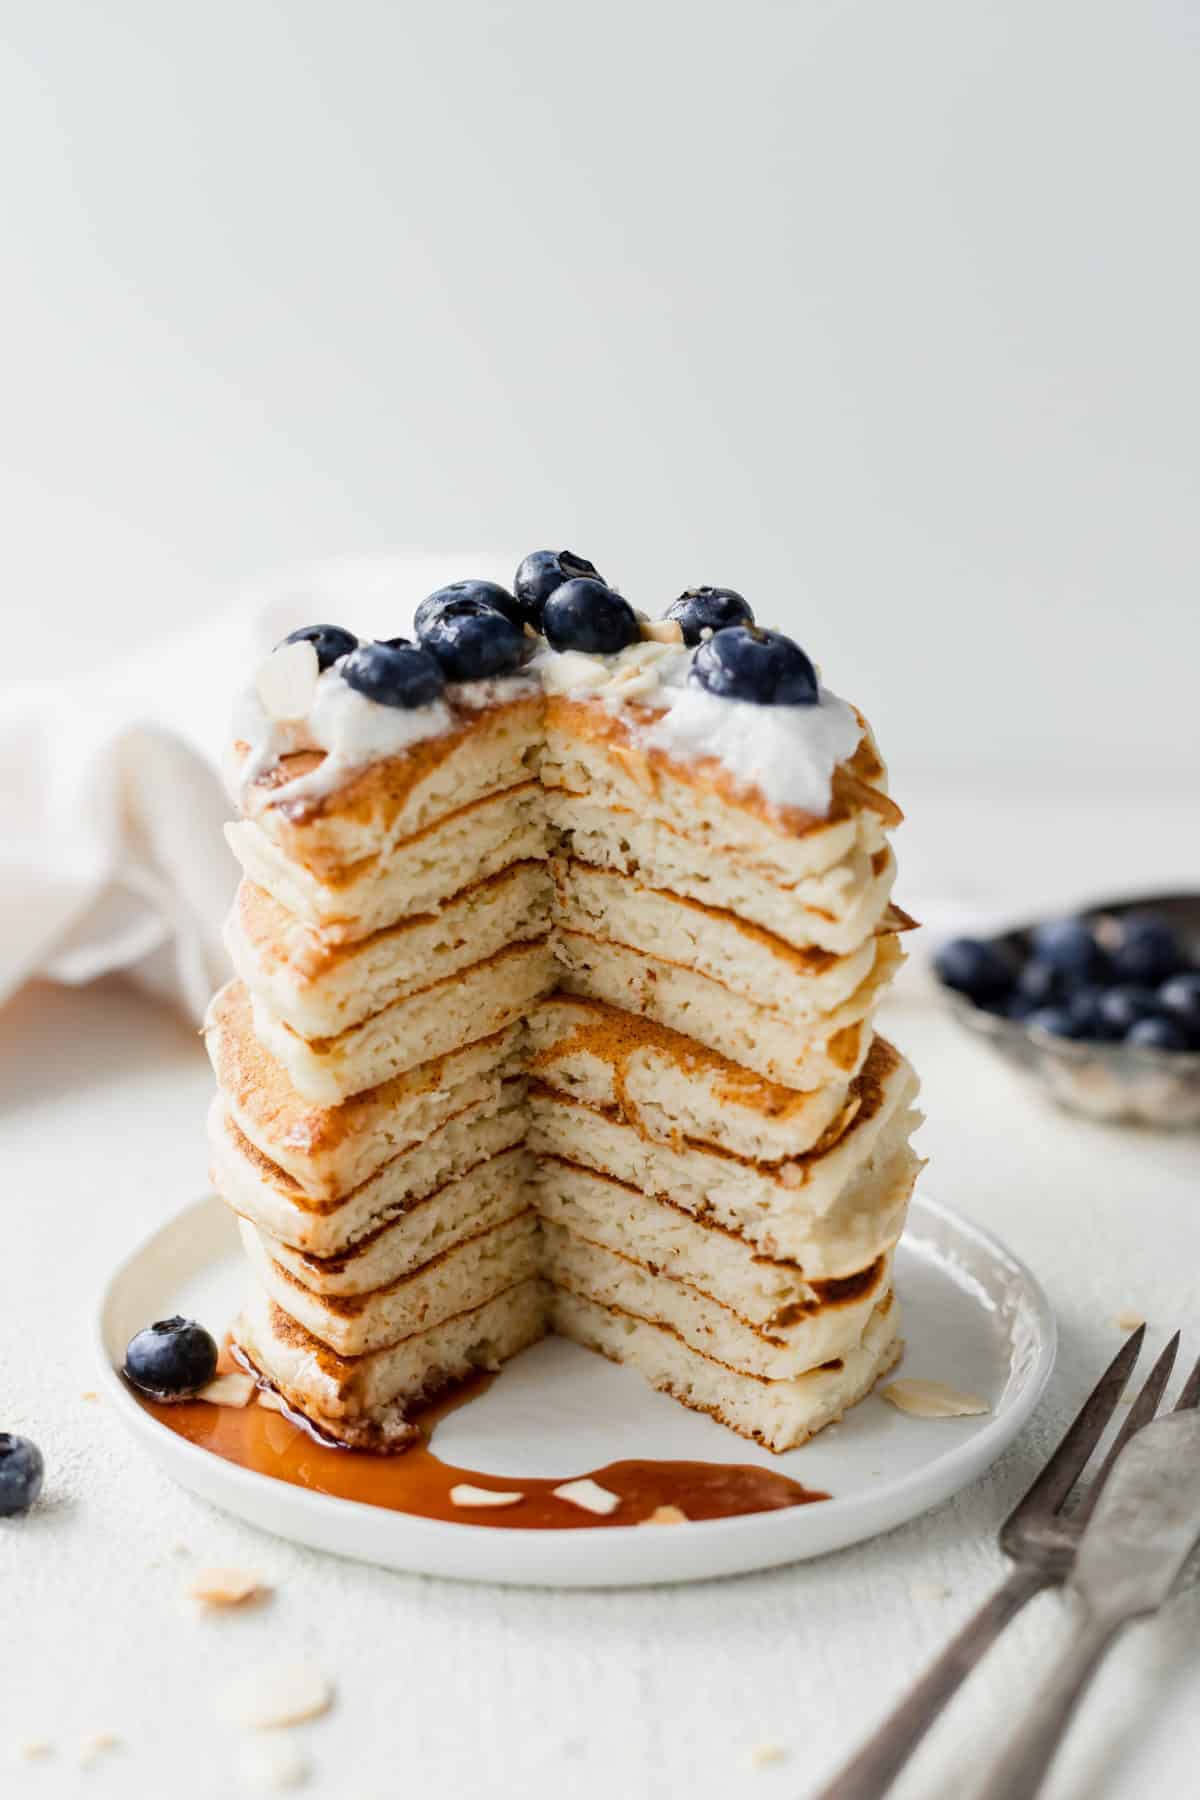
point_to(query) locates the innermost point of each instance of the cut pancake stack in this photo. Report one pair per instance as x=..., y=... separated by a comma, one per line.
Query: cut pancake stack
x=536, y=1028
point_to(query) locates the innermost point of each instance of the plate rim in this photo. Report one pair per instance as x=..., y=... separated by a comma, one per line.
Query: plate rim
x=978, y=1452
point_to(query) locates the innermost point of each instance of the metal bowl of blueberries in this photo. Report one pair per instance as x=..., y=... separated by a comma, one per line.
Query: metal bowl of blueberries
x=1102, y=1008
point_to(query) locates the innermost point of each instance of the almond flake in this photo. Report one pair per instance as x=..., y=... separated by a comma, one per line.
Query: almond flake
x=234, y=1389
x=287, y=681
x=932, y=1400
x=1128, y=1321
x=463, y=1494
x=279, y=1694
x=268, y=1768
x=227, y=1587
x=663, y=631
x=589, y=1495
x=270, y=1399
x=665, y=1515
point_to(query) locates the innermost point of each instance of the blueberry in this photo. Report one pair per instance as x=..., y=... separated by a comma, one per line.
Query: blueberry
x=708, y=609
x=329, y=642
x=1179, y=999
x=487, y=594
x=394, y=674
x=1158, y=1034
x=172, y=1359
x=541, y=572
x=1058, y=1020
x=974, y=968
x=1040, y=983
x=1146, y=949
x=1015, y=1007
x=745, y=662
x=473, y=642
x=21, y=1472
x=1086, y=1007
x=1066, y=945
x=1120, y=1008
x=583, y=614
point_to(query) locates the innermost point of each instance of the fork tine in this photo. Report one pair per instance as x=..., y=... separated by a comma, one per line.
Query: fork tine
x=1191, y=1391
x=1140, y=1413
x=1070, y=1459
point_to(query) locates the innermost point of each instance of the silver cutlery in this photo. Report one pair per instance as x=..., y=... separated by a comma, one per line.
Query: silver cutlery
x=1143, y=1528
x=1041, y=1539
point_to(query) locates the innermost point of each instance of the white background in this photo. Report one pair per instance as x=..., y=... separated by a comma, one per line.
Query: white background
x=884, y=313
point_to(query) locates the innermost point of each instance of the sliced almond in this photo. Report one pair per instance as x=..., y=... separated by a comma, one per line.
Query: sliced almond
x=270, y=1399
x=665, y=1515
x=277, y=1695
x=234, y=1389
x=463, y=1494
x=227, y=1587
x=287, y=681
x=932, y=1400
x=663, y=631
x=589, y=1495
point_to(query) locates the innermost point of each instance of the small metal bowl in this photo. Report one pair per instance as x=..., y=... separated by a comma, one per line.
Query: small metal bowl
x=1106, y=1081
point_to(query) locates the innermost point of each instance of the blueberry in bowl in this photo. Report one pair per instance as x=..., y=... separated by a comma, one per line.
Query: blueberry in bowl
x=1103, y=1007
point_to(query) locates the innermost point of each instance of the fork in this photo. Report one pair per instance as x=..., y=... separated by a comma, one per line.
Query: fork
x=1040, y=1538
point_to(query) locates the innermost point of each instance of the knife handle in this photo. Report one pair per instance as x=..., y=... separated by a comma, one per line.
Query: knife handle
x=1023, y=1767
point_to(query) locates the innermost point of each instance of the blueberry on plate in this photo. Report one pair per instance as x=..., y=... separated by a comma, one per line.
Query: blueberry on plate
x=974, y=968
x=394, y=674
x=1146, y=950
x=473, y=643
x=1066, y=945
x=583, y=614
x=483, y=593
x=745, y=662
x=704, y=609
x=21, y=1473
x=1158, y=1034
x=1122, y=1007
x=1179, y=999
x=1058, y=1020
x=329, y=642
x=171, y=1360
x=541, y=572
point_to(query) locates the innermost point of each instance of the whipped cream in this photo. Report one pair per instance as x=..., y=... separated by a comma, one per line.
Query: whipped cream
x=349, y=728
x=788, y=752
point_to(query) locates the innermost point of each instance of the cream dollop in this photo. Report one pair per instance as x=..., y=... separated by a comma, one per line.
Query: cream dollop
x=788, y=752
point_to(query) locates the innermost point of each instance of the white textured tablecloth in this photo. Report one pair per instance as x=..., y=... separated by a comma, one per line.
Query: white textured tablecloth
x=463, y=1692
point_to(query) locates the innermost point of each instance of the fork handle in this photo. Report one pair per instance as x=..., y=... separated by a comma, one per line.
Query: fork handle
x=1021, y=1771
x=872, y=1772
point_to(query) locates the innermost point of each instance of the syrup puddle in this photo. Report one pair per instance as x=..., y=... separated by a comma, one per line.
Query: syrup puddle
x=418, y=1482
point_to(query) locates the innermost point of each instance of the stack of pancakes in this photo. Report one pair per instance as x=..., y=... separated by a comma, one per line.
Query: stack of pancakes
x=538, y=1029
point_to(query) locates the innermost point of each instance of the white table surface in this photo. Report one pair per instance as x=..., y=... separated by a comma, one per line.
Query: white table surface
x=464, y=1691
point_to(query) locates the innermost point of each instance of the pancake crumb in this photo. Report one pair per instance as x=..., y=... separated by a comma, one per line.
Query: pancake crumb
x=665, y=1515
x=763, y=1755
x=35, y=1749
x=589, y=1495
x=94, y=1747
x=932, y=1400
x=463, y=1494
x=276, y=1695
x=89, y=1394
x=1128, y=1321
x=267, y=1768
x=217, y=1588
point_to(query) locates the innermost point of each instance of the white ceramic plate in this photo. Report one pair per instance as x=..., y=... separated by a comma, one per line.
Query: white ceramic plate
x=972, y=1315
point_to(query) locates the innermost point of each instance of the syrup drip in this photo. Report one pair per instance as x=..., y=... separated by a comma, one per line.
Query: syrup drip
x=418, y=1482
